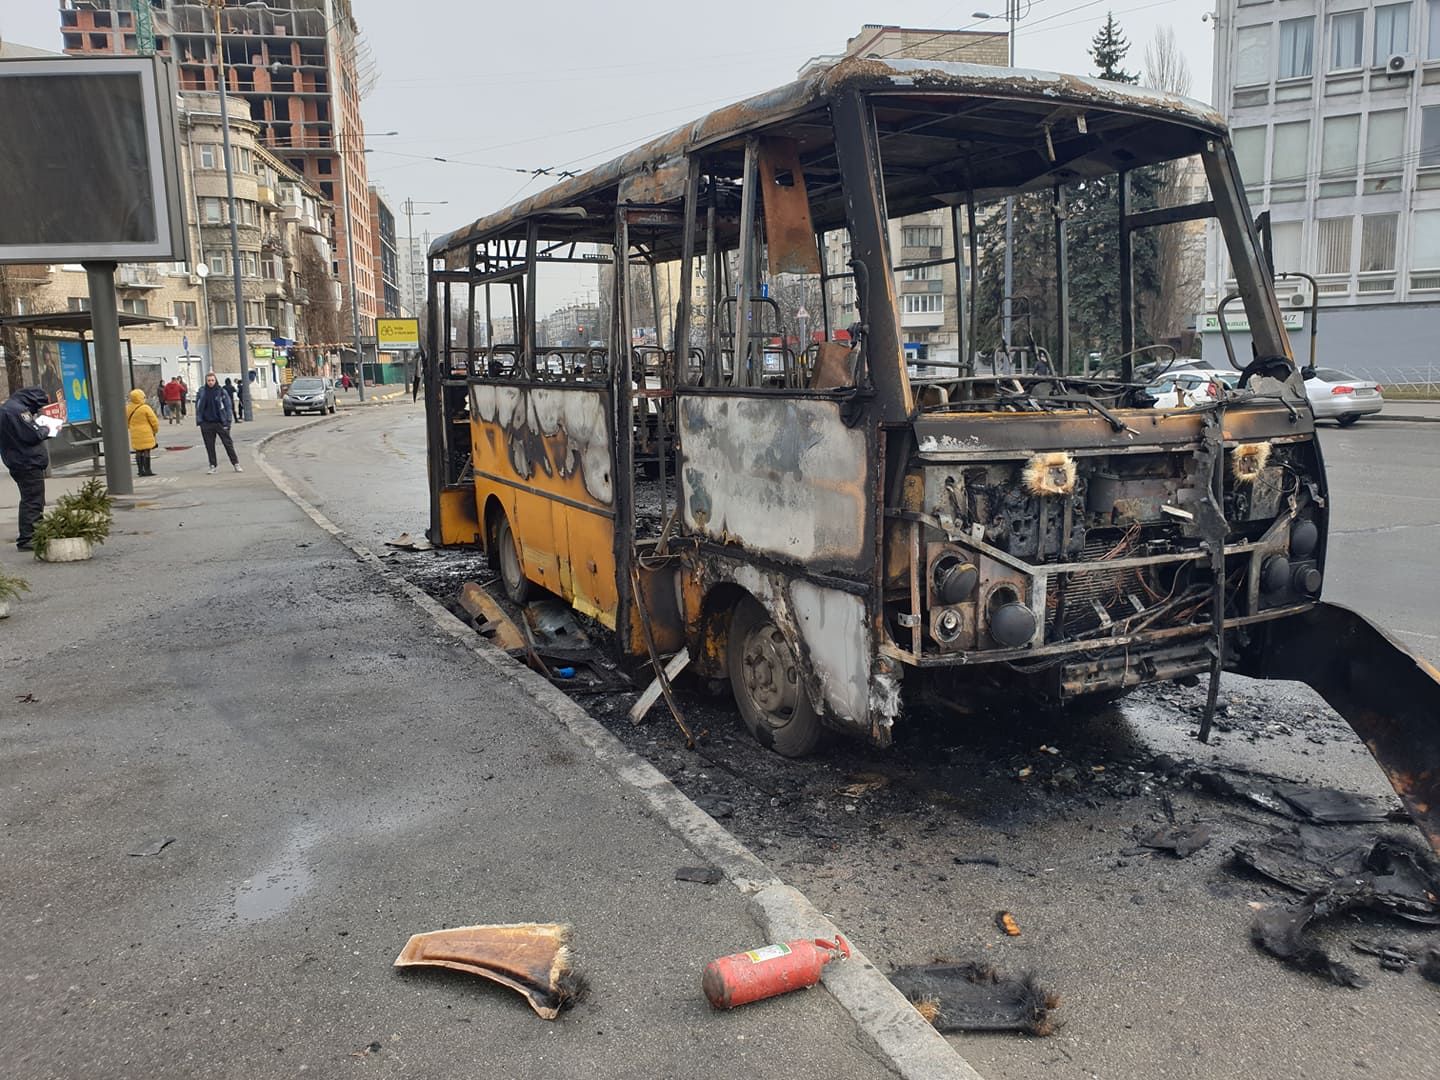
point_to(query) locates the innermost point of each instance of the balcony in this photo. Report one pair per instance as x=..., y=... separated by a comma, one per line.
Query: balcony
x=129, y=276
x=29, y=275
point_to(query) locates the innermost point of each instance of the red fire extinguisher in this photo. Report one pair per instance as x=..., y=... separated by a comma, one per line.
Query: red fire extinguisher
x=762, y=973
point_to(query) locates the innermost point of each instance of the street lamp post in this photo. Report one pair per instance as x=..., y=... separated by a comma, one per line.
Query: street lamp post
x=341, y=138
x=246, y=409
x=410, y=214
x=1012, y=12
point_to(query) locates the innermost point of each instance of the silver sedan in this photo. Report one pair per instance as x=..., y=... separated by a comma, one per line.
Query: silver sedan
x=1337, y=396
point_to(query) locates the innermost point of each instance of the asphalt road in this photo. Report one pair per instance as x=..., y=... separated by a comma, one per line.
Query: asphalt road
x=1150, y=955
x=1385, y=526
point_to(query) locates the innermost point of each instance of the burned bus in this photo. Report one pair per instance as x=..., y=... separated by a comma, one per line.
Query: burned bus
x=837, y=527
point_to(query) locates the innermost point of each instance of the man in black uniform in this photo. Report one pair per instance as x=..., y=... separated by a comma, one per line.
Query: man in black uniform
x=22, y=448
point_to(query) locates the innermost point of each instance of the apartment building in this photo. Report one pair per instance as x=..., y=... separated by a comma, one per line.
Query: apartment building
x=387, y=255
x=1335, y=116
x=278, y=215
x=295, y=62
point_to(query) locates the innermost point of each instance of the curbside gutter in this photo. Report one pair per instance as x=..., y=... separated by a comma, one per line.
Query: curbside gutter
x=883, y=1015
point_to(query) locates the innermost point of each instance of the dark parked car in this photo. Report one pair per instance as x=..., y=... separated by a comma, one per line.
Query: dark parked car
x=309, y=395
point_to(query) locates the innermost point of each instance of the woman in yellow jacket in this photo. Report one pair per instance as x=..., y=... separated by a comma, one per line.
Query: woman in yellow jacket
x=144, y=425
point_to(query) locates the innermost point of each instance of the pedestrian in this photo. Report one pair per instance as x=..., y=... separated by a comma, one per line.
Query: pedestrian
x=144, y=426
x=212, y=413
x=174, y=397
x=22, y=448
x=230, y=393
x=345, y=382
x=184, y=395
x=415, y=386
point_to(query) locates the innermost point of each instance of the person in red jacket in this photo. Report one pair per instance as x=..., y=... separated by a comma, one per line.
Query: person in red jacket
x=173, y=395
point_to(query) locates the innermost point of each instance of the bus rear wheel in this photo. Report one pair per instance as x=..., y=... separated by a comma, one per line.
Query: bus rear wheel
x=765, y=676
x=505, y=560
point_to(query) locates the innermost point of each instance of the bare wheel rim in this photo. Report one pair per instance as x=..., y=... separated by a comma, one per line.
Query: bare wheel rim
x=770, y=674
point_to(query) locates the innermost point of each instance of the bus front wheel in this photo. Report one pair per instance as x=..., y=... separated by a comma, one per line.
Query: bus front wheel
x=765, y=676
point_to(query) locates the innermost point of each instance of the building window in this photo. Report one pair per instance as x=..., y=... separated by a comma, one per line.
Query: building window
x=246, y=211
x=918, y=303
x=1297, y=48
x=1285, y=239
x=207, y=156
x=1250, y=155
x=249, y=264
x=922, y=273
x=1425, y=240
x=77, y=303
x=1347, y=40
x=1385, y=141
x=1339, y=156
x=135, y=307
x=1252, y=55
x=270, y=268
x=1289, y=157
x=1334, y=253
x=1340, y=146
x=186, y=314
x=243, y=160
x=219, y=262
x=1392, y=31
x=920, y=236
x=221, y=313
x=1432, y=41
x=254, y=313
x=1377, y=242
x=1430, y=136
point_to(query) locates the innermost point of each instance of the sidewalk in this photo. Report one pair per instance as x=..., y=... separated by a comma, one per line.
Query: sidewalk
x=336, y=775
x=1419, y=411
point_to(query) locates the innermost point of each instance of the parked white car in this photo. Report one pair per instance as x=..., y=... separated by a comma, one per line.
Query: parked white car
x=1186, y=387
x=1337, y=396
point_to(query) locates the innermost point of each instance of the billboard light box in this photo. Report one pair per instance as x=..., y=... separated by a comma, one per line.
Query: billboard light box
x=89, y=168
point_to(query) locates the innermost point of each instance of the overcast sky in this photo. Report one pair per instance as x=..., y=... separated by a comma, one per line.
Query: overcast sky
x=501, y=88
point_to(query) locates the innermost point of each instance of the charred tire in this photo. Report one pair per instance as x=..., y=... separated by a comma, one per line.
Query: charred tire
x=505, y=560
x=1348, y=419
x=765, y=677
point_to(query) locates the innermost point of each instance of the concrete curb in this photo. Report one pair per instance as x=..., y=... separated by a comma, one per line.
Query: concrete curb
x=914, y=1049
x=1406, y=419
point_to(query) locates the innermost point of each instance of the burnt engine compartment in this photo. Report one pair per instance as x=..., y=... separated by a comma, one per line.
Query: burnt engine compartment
x=1111, y=508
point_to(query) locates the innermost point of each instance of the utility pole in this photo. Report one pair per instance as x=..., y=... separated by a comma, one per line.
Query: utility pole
x=1011, y=11
x=410, y=214
x=340, y=139
x=246, y=410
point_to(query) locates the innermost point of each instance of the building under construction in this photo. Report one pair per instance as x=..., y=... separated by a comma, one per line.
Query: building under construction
x=296, y=63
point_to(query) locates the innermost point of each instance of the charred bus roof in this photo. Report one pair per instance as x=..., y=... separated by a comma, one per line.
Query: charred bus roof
x=1023, y=130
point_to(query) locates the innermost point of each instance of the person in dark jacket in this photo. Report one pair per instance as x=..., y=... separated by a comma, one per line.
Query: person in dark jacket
x=230, y=393
x=213, y=414
x=22, y=448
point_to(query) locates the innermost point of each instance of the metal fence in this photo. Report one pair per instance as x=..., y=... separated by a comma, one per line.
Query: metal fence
x=1412, y=378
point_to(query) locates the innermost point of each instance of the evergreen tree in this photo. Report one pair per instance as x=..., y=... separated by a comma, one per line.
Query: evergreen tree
x=1108, y=49
x=1092, y=246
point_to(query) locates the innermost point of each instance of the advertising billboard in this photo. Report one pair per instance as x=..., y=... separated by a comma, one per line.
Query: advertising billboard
x=89, y=168
x=397, y=333
x=64, y=375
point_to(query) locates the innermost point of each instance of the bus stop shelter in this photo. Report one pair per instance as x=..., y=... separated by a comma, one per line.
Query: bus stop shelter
x=59, y=361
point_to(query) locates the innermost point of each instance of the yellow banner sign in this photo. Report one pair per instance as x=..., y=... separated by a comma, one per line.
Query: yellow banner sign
x=397, y=333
